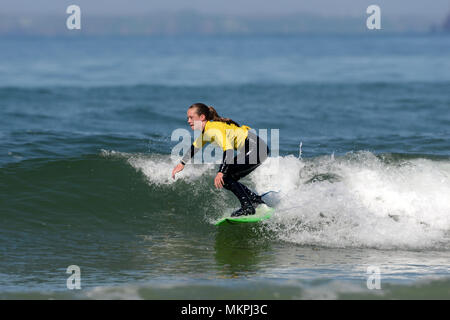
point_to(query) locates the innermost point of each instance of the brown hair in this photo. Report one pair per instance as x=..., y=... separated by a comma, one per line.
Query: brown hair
x=211, y=113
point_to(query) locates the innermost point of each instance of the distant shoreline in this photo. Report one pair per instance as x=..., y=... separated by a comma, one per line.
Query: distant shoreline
x=194, y=23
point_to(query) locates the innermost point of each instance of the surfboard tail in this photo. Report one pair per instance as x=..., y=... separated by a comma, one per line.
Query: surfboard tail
x=271, y=198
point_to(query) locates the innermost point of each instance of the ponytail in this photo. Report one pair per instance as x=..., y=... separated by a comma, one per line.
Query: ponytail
x=215, y=117
x=211, y=114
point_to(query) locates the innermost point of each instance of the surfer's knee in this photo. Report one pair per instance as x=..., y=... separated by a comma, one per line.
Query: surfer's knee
x=228, y=180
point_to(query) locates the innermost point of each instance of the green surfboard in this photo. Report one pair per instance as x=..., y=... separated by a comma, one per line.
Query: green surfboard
x=263, y=212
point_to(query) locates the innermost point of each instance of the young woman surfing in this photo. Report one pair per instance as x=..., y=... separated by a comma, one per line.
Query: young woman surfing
x=229, y=136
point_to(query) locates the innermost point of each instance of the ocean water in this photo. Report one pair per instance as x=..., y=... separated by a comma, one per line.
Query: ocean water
x=85, y=167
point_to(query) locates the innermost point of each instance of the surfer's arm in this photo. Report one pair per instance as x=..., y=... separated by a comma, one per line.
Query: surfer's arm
x=196, y=146
x=227, y=159
x=190, y=154
x=180, y=166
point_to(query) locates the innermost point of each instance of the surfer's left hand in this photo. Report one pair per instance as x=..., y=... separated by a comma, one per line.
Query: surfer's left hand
x=218, y=180
x=177, y=169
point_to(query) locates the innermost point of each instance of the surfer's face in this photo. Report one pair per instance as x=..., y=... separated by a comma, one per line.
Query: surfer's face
x=193, y=116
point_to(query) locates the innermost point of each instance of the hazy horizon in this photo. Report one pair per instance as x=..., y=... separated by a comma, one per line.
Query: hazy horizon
x=437, y=9
x=231, y=17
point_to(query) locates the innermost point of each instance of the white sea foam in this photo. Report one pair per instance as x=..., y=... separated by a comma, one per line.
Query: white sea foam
x=356, y=200
x=157, y=169
x=359, y=200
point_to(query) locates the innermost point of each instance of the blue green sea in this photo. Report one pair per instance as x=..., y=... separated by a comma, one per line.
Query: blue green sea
x=362, y=167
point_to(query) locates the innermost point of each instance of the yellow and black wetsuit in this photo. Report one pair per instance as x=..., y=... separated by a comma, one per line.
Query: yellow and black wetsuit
x=253, y=151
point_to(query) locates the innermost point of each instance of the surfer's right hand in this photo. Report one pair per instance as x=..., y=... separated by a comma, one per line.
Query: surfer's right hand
x=177, y=169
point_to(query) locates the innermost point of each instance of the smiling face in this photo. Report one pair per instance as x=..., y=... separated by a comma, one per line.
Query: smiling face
x=193, y=116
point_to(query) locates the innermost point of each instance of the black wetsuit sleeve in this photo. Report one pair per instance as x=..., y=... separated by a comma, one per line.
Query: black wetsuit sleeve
x=190, y=154
x=227, y=159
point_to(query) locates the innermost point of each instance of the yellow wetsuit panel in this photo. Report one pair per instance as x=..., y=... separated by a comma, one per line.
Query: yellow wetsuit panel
x=227, y=136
